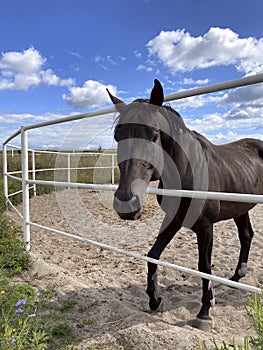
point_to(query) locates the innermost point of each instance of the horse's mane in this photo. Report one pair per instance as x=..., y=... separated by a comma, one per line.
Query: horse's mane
x=167, y=107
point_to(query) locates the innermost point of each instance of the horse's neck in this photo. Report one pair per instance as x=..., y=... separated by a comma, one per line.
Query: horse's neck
x=185, y=167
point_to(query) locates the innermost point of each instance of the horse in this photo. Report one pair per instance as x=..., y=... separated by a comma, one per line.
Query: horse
x=153, y=143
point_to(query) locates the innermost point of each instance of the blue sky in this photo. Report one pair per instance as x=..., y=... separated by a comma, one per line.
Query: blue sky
x=57, y=58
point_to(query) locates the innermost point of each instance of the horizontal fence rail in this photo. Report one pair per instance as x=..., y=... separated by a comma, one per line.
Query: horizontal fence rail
x=27, y=183
x=157, y=262
x=224, y=196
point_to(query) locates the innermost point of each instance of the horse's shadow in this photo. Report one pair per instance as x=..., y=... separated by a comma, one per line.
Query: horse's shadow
x=112, y=310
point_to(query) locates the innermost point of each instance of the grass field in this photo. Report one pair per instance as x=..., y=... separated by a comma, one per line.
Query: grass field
x=79, y=164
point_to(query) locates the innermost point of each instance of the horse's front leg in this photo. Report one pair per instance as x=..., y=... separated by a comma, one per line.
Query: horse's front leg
x=204, y=233
x=168, y=230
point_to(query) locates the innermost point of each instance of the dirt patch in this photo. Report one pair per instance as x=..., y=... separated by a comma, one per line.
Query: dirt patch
x=110, y=288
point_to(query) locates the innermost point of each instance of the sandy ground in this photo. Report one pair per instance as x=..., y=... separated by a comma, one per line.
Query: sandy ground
x=110, y=288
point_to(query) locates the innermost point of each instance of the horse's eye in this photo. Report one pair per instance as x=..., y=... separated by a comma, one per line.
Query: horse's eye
x=147, y=165
x=156, y=134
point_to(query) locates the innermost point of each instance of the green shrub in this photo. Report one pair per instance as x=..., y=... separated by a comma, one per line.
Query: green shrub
x=13, y=257
x=255, y=311
x=20, y=324
x=62, y=330
x=224, y=345
x=68, y=304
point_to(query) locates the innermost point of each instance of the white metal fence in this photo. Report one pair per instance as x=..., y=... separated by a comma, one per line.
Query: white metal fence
x=69, y=164
x=28, y=183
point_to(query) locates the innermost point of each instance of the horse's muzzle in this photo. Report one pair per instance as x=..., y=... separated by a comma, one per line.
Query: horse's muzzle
x=128, y=210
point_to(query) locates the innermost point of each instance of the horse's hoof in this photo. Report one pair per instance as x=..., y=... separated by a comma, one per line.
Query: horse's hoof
x=156, y=305
x=234, y=278
x=202, y=324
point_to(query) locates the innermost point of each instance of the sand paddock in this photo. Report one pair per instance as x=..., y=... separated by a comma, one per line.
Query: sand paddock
x=110, y=288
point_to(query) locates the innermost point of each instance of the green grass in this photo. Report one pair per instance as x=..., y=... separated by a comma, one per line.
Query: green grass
x=13, y=257
x=25, y=323
x=255, y=312
x=20, y=324
x=68, y=305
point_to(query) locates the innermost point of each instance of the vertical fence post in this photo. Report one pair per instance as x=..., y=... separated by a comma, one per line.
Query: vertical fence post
x=34, y=173
x=112, y=169
x=5, y=178
x=25, y=188
x=68, y=167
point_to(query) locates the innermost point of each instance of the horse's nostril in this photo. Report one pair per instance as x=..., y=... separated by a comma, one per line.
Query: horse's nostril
x=127, y=207
x=123, y=196
x=134, y=199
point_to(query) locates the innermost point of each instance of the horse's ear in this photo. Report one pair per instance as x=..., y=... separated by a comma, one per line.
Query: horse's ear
x=114, y=99
x=157, y=94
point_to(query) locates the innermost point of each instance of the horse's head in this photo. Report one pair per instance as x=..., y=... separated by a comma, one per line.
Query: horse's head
x=140, y=156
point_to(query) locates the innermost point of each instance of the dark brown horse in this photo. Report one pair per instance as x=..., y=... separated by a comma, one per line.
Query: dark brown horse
x=154, y=144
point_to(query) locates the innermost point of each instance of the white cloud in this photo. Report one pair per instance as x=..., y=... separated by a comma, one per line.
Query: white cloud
x=246, y=111
x=246, y=103
x=180, y=51
x=144, y=67
x=230, y=136
x=76, y=54
x=23, y=70
x=137, y=54
x=11, y=122
x=49, y=78
x=260, y=124
x=248, y=94
x=27, y=118
x=219, y=128
x=209, y=122
x=28, y=61
x=82, y=134
x=98, y=58
x=193, y=102
x=190, y=81
x=92, y=94
x=108, y=60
